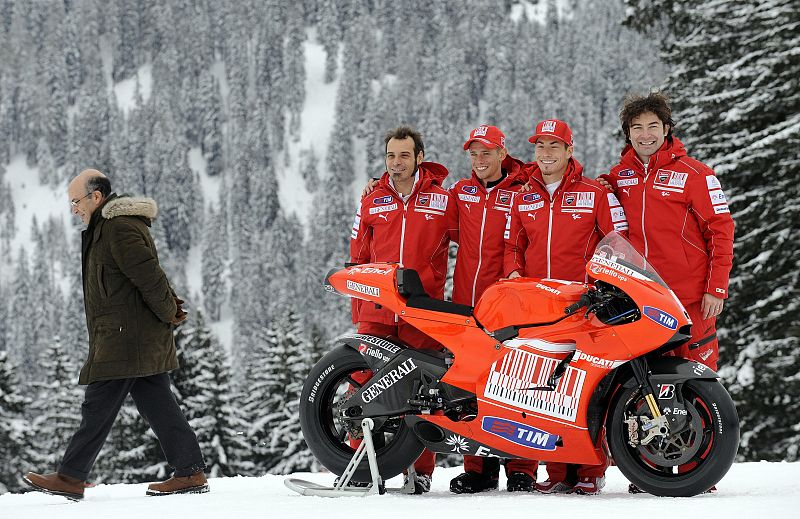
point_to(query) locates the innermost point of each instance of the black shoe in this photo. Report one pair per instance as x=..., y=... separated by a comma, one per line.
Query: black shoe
x=633, y=489
x=422, y=483
x=520, y=482
x=472, y=483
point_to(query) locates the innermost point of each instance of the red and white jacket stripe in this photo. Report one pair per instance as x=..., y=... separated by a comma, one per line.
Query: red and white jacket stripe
x=555, y=237
x=415, y=233
x=679, y=219
x=482, y=218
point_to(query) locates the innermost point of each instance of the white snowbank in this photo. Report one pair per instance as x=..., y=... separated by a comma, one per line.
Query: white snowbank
x=762, y=489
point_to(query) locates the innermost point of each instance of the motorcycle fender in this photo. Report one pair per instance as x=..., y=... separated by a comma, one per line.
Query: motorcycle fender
x=667, y=374
x=388, y=392
x=377, y=352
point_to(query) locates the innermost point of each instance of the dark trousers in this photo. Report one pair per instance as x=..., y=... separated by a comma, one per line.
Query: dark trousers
x=156, y=404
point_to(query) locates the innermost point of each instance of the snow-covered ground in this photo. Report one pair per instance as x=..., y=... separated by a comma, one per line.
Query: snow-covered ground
x=766, y=490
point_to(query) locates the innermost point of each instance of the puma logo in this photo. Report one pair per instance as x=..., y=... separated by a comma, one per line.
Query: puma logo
x=627, y=191
x=384, y=217
x=532, y=215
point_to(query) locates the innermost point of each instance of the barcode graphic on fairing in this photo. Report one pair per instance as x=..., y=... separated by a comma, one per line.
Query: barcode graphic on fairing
x=519, y=370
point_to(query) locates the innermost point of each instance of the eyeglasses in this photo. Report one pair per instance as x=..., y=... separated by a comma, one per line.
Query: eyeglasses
x=76, y=201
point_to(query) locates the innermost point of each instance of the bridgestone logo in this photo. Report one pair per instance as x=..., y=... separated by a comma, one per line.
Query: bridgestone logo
x=388, y=380
x=364, y=289
x=318, y=382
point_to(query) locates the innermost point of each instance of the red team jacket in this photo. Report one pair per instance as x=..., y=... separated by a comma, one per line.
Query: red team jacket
x=564, y=230
x=415, y=234
x=679, y=219
x=482, y=218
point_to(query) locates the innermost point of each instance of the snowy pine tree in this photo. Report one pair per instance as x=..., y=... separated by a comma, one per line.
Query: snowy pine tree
x=13, y=442
x=735, y=85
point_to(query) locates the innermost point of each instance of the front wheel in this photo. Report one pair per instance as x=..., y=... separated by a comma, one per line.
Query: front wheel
x=331, y=383
x=687, y=462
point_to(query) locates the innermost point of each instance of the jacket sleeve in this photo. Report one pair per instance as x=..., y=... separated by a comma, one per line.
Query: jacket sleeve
x=138, y=262
x=710, y=206
x=610, y=179
x=360, y=246
x=452, y=215
x=516, y=242
x=610, y=214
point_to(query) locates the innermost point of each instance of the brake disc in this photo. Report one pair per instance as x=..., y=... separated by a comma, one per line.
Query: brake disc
x=678, y=447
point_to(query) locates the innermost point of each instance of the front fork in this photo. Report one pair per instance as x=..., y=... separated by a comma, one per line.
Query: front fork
x=652, y=428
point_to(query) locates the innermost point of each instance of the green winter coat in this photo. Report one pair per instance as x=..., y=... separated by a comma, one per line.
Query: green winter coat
x=128, y=300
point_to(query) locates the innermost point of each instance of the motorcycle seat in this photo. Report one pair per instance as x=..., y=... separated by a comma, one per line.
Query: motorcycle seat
x=409, y=285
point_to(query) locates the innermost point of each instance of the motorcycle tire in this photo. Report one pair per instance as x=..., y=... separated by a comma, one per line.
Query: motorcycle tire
x=331, y=382
x=712, y=443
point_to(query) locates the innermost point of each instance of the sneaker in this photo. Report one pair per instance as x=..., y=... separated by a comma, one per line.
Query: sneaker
x=192, y=484
x=633, y=489
x=553, y=487
x=520, y=482
x=589, y=486
x=422, y=483
x=56, y=484
x=472, y=483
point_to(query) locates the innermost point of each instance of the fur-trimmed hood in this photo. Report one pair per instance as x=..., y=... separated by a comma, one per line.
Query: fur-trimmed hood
x=130, y=206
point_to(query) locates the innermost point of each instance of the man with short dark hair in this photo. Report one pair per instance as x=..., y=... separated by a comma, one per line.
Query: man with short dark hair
x=131, y=312
x=408, y=219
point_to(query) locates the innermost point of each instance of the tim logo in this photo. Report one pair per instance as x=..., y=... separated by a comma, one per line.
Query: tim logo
x=666, y=391
x=424, y=199
x=549, y=126
x=469, y=189
x=661, y=317
x=626, y=173
x=382, y=200
x=480, y=131
x=531, y=197
x=520, y=434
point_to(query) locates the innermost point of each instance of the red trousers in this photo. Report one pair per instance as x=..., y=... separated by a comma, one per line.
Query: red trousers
x=478, y=463
x=707, y=353
x=417, y=340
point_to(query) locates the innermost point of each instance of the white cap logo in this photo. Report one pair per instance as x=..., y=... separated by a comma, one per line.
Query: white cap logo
x=549, y=127
x=480, y=131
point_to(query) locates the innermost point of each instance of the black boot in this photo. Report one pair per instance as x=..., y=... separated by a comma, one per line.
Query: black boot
x=472, y=482
x=520, y=482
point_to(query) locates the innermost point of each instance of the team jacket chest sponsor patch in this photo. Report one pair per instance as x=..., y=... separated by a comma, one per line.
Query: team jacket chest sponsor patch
x=469, y=198
x=666, y=180
x=626, y=182
x=519, y=369
x=626, y=173
x=503, y=199
x=470, y=190
x=383, y=208
x=530, y=202
x=577, y=202
x=431, y=202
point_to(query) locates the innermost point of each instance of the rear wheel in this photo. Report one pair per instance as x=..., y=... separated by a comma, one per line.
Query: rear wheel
x=687, y=462
x=331, y=383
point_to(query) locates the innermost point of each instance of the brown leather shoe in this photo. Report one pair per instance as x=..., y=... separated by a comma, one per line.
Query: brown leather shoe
x=194, y=484
x=56, y=484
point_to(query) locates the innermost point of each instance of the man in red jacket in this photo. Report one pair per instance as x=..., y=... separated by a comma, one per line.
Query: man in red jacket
x=484, y=204
x=409, y=219
x=552, y=233
x=679, y=218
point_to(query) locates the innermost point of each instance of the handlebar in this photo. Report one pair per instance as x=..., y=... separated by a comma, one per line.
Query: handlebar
x=584, y=301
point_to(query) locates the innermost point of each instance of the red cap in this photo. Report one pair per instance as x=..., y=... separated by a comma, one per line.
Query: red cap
x=489, y=135
x=553, y=128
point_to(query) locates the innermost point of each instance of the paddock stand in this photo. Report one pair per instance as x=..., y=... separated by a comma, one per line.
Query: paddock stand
x=308, y=488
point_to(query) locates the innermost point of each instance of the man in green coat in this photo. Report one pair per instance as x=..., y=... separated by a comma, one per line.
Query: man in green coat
x=131, y=312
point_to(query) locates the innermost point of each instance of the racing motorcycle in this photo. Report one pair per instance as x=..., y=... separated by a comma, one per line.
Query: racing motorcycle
x=540, y=368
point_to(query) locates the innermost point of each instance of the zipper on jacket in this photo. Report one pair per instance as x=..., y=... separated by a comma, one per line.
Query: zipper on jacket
x=549, y=234
x=644, y=196
x=402, y=242
x=480, y=248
